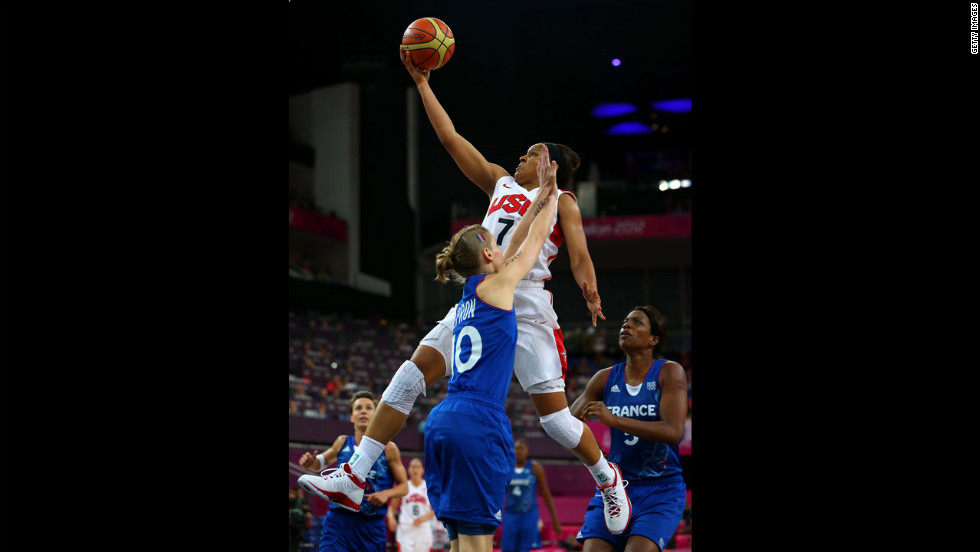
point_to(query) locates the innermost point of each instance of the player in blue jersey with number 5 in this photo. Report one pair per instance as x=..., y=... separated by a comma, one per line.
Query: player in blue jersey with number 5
x=644, y=403
x=468, y=442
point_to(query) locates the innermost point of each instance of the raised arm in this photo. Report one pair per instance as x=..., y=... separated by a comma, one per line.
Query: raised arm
x=469, y=160
x=547, y=180
x=570, y=219
x=498, y=288
x=312, y=462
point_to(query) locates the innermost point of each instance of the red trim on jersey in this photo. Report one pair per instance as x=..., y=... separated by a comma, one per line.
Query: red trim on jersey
x=560, y=345
x=660, y=376
x=556, y=236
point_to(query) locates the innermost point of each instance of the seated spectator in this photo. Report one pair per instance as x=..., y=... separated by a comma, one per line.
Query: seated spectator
x=335, y=386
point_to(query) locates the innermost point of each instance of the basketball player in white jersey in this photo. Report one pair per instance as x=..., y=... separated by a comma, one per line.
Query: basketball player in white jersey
x=540, y=356
x=413, y=526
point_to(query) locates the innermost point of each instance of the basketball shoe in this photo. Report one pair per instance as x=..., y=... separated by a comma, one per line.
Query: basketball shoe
x=616, y=503
x=342, y=487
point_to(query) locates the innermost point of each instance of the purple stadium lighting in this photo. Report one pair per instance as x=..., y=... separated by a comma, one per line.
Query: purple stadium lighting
x=629, y=128
x=613, y=109
x=616, y=62
x=678, y=105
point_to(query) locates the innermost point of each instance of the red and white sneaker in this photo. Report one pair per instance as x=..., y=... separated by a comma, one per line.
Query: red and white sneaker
x=616, y=504
x=342, y=487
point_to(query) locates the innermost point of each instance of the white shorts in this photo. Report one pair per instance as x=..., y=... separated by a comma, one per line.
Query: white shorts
x=413, y=538
x=540, y=354
x=440, y=338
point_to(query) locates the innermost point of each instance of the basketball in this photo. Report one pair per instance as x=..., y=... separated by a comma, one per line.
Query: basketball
x=429, y=42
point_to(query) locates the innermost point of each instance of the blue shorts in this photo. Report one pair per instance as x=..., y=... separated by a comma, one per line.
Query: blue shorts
x=469, y=459
x=346, y=531
x=520, y=532
x=657, y=510
x=455, y=528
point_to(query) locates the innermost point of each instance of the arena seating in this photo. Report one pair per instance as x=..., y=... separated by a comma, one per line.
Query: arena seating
x=368, y=351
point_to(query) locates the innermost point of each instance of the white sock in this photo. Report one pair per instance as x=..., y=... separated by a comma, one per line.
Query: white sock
x=602, y=472
x=365, y=455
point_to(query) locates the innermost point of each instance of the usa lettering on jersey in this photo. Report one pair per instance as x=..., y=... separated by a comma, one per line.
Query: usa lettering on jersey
x=415, y=497
x=510, y=204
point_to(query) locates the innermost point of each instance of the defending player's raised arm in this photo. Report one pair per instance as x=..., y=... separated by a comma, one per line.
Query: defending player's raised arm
x=543, y=213
x=548, y=185
x=469, y=160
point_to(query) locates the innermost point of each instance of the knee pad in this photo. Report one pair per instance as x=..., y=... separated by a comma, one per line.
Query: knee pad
x=563, y=428
x=407, y=385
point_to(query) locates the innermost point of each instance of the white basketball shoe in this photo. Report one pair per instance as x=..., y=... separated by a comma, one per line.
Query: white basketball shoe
x=616, y=503
x=342, y=487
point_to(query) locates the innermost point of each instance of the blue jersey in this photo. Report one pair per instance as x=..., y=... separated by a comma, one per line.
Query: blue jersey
x=379, y=478
x=484, y=340
x=638, y=459
x=469, y=448
x=522, y=491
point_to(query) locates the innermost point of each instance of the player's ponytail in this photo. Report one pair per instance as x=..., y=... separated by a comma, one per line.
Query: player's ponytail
x=461, y=258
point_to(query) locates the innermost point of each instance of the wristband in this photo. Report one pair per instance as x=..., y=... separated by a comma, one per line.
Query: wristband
x=323, y=462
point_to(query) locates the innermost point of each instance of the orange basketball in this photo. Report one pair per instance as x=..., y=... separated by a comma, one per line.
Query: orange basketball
x=429, y=42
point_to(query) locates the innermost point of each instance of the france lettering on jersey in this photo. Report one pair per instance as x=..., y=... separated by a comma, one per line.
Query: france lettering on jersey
x=484, y=338
x=415, y=504
x=507, y=206
x=638, y=458
x=379, y=478
x=522, y=490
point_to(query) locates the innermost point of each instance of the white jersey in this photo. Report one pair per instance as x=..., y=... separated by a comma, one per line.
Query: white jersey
x=540, y=353
x=507, y=206
x=414, y=505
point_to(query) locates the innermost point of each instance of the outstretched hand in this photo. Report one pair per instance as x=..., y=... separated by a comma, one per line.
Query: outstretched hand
x=419, y=75
x=547, y=173
x=593, y=302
